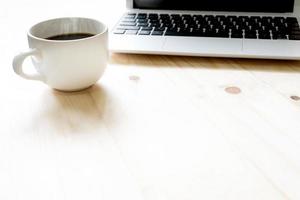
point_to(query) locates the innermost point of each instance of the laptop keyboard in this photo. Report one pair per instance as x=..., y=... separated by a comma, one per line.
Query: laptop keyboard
x=221, y=26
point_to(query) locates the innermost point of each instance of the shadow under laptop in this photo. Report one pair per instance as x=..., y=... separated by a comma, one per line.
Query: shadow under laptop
x=75, y=112
x=289, y=66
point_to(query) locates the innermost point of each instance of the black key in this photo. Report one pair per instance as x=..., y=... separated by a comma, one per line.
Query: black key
x=215, y=22
x=225, y=21
x=250, y=36
x=295, y=27
x=209, y=17
x=141, y=16
x=231, y=18
x=197, y=32
x=252, y=21
x=220, y=27
x=206, y=26
x=192, y=25
x=119, y=31
x=167, y=25
x=222, y=34
x=295, y=32
x=184, y=28
x=188, y=22
x=144, y=32
x=220, y=17
x=142, y=20
x=243, y=18
x=159, y=28
x=279, y=37
x=209, y=33
x=292, y=24
x=155, y=24
x=237, y=29
x=165, y=21
x=185, y=31
x=291, y=29
x=267, y=19
x=154, y=21
x=180, y=25
x=266, y=24
x=231, y=26
x=248, y=31
x=186, y=34
x=128, y=28
x=272, y=28
x=146, y=28
x=256, y=18
x=264, y=34
x=282, y=30
x=243, y=26
x=279, y=20
x=131, y=32
x=157, y=33
x=172, y=33
x=175, y=29
x=256, y=26
x=199, y=17
x=186, y=16
x=153, y=16
x=164, y=16
x=291, y=20
x=236, y=34
x=176, y=16
x=294, y=37
x=143, y=24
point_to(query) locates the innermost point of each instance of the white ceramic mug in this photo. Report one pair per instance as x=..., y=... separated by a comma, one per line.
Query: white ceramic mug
x=66, y=65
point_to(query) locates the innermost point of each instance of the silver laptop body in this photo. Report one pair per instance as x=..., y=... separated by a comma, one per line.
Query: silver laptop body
x=280, y=48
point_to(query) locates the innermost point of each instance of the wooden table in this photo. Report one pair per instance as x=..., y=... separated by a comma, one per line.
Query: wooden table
x=153, y=128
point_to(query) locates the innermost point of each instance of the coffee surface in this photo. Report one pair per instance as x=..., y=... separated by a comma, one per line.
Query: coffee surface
x=70, y=36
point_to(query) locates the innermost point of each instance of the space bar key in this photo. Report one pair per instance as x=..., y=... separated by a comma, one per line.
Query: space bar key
x=174, y=33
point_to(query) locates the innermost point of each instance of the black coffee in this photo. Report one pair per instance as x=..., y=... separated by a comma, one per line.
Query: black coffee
x=70, y=36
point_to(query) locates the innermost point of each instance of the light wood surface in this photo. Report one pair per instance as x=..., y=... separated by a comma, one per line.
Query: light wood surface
x=153, y=128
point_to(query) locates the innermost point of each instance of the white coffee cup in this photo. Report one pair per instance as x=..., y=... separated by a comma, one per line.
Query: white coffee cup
x=67, y=65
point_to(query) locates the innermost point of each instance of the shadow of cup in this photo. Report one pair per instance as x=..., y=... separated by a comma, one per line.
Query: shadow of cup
x=74, y=112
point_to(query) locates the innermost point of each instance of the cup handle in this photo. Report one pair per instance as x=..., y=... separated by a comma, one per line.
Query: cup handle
x=18, y=65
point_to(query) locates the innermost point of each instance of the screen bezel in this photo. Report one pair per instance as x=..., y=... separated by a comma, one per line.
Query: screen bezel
x=130, y=5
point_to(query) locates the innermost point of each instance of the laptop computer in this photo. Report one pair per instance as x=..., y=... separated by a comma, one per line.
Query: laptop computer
x=212, y=28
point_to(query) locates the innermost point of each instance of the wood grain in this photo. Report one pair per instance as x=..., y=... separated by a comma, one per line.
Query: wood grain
x=153, y=128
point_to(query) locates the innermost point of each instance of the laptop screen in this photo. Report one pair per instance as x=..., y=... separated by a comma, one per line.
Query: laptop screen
x=218, y=5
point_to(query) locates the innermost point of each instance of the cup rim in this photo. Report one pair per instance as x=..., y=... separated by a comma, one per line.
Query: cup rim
x=66, y=41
